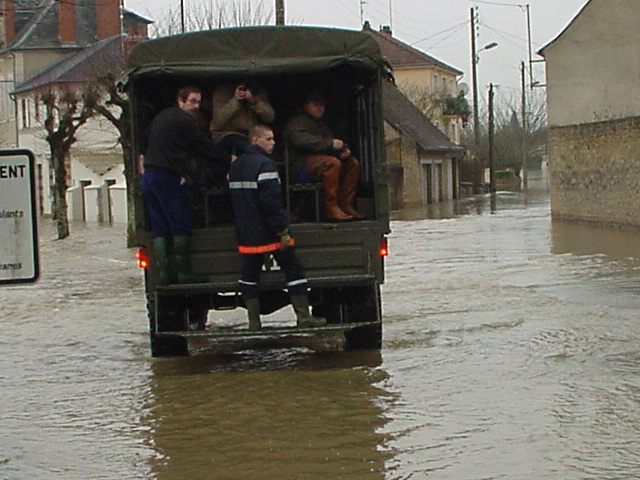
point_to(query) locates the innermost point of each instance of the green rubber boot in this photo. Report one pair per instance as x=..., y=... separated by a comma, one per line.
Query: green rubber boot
x=161, y=251
x=253, y=313
x=182, y=250
x=300, y=304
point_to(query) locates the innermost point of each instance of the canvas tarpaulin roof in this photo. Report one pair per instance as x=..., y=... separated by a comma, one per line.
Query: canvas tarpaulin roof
x=255, y=51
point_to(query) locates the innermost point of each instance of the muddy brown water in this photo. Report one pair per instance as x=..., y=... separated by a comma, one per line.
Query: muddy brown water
x=511, y=351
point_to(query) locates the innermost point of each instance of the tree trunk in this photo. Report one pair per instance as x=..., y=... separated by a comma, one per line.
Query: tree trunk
x=130, y=175
x=60, y=193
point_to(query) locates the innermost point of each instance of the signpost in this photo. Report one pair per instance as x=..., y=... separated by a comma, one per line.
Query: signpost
x=19, y=260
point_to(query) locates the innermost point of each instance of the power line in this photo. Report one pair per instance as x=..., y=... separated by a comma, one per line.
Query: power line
x=503, y=35
x=487, y=2
x=455, y=27
x=455, y=32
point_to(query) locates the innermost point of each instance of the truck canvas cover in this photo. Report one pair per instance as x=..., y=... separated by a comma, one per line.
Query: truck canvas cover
x=255, y=51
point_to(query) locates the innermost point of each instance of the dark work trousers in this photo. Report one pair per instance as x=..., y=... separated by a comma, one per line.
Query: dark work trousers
x=168, y=202
x=288, y=261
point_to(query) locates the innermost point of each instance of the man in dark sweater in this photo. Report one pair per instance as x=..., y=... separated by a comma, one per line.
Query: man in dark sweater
x=262, y=227
x=173, y=141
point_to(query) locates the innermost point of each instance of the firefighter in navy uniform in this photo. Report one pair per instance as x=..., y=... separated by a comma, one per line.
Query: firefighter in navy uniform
x=262, y=227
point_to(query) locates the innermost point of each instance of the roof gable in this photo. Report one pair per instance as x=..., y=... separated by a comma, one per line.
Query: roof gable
x=81, y=66
x=565, y=29
x=400, y=54
x=100, y=161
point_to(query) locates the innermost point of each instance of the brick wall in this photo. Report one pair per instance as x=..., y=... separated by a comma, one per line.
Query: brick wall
x=595, y=172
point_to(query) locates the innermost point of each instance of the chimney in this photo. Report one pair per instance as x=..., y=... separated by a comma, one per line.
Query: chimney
x=108, y=18
x=67, y=21
x=386, y=29
x=9, y=15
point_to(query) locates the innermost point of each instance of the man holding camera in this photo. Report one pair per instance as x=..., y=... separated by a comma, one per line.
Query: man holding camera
x=237, y=108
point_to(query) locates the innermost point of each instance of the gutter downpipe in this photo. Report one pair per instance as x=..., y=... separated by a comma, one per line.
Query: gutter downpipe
x=15, y=102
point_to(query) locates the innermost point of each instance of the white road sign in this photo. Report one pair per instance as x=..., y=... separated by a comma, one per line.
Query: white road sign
x=19, y=261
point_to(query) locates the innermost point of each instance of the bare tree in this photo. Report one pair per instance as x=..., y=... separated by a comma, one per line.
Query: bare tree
x=114, y=106
x=429, y=103
x=435, y=105
x=212, y=14
x=510, y=136
x=66, y=112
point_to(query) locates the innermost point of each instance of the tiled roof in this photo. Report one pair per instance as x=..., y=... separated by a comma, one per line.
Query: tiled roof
x=37, y=26
x=136, y=16
x=404, y=116
x=400, y=54
x=78, y=67
x=98, y=161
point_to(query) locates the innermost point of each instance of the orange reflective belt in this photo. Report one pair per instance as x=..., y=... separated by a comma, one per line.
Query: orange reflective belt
x=263, y=248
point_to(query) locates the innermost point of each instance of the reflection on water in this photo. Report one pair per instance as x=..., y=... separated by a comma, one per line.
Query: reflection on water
x=582, y=239
x=510, y=351
x=476, y=205
x=278, y=414
x=523, y=337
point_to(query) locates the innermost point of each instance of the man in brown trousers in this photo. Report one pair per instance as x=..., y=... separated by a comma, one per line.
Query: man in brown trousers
x=317, y=154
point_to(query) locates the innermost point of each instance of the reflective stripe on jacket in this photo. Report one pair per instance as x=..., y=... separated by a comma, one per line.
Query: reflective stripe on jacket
x=256, y=198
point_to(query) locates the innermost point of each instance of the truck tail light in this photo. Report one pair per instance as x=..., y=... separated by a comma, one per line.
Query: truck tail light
x=143, y=259
x=384, y=247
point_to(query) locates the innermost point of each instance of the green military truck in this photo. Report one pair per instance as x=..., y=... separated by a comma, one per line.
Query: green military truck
x=343, y=261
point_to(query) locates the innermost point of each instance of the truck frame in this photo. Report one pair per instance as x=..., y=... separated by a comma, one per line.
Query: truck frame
x=344, y=262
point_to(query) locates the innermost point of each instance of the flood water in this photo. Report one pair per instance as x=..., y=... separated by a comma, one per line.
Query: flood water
x=511, y=351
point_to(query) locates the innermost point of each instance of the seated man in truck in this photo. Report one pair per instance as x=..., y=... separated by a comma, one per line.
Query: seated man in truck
x=262, y=227
x=237, y=108
x=173, y=140
x=317, y=153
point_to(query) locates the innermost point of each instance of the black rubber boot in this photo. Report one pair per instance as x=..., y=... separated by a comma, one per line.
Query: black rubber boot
x=182, y=250
x=253, y=313
x=161, y=250
x=300, y=304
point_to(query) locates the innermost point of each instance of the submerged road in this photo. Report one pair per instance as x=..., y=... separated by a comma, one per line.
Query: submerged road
x=511, y=351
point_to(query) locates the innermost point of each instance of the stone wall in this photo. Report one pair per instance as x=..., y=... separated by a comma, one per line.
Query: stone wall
x=595, y=172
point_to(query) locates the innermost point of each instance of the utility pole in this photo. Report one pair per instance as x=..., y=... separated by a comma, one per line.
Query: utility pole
x=182, y=14
x=279, y=12
x=492, y=184
x=529, y=43
x=525, y=154
x=474, y=79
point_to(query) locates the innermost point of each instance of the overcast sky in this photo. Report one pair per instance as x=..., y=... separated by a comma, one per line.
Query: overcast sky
x=440, y=28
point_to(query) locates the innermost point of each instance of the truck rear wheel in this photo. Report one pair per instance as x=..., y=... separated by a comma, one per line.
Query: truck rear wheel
x=362, y=304
x=169, y=346
x=166, y=316
x=354, y=305
x=368, y=337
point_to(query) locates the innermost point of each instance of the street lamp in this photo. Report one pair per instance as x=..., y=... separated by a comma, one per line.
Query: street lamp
x=475, y=58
